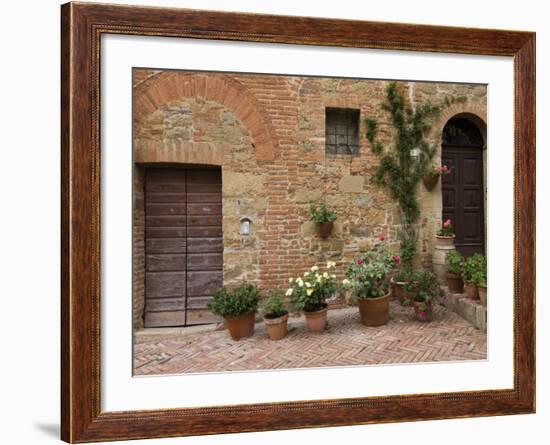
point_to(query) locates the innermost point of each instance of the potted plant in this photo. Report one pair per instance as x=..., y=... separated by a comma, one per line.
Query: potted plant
x=309, y=293
x=238, y=307
x=405, y=261
x=455, y=264
x=472, y=266
x=399, y=285
x=324, y=217
x=275, y=315
x=479, y=279
x=431, y=177
x=367, y=277
x=445, y=236
x=425, y=291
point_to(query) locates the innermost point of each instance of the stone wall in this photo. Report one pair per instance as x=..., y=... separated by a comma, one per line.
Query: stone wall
x=268, y=135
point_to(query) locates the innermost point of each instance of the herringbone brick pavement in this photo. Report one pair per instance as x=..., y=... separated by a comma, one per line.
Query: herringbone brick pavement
x=346, y=342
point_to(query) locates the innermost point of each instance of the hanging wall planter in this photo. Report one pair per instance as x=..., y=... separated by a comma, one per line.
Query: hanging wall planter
x=430, y=180
x=325, y=229
x=324, y=217
x=431, y=177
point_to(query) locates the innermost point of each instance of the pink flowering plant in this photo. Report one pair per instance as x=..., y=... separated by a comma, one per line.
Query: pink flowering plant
x=446, y=229
x=436, y=170
x=368, y=275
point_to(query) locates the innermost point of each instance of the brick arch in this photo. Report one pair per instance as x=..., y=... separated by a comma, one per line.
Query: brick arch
x=160, y=89
x=477, y=113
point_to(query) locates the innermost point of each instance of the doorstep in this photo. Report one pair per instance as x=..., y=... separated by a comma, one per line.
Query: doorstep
x=471, y=310
x=152, y=334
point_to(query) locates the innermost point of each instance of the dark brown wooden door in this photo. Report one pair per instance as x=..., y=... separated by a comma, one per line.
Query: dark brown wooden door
x=463, y=197
x=183, y=245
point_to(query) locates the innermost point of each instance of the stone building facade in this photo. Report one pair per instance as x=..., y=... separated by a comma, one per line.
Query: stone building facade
x=267, y=135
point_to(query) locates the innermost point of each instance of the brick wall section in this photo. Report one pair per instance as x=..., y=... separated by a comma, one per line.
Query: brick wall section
x=268, y=134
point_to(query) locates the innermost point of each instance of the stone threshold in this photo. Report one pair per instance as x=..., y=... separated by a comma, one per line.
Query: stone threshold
x=152, y=334
x=471, y=310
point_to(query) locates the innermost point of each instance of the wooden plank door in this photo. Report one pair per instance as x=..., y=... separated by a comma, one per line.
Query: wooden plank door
x=183, y=245
x=165, y=247
x=204, y=243
x=463, y=197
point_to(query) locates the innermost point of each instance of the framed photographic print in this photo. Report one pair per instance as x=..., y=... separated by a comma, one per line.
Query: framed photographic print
x=276, y=222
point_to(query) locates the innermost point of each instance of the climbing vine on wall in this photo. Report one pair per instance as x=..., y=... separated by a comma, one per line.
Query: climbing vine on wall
x=404, y=162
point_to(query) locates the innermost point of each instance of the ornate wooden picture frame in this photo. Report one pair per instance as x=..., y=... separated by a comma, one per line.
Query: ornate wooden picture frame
x=82, y=26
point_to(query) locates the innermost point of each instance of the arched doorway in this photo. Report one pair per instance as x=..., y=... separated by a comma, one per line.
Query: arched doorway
x=463, y=190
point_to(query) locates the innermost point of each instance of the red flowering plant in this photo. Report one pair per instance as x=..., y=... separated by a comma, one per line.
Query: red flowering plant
x=436, y=170
x=368, y=275
x=446, y=229
x=425, y=292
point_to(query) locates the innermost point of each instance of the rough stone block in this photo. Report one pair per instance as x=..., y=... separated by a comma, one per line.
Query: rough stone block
x=241, y=184
x=351, y=184
x=481, y=317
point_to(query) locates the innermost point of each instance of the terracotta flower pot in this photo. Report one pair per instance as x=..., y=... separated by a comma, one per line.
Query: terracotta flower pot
x=240, y=326
x=430, y=181
x=276, y=327
x=471, y=290
x=444, y=241
x=454, y=282
x=397, y=289
x=374, y=311
x=404, y=297
x=325, y=229
x=482, y=292
x=316, y=321
x=423, y=312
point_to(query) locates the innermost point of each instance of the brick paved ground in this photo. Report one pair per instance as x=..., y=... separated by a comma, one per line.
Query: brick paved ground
x=346, y=342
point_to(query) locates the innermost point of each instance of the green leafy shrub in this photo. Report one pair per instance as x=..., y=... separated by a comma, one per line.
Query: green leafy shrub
x=479, y=272
x=238, y=301
x=274, y=306
x=367, y=276
x=321, y=213
x=479, y=279
x=310, y=291
x=455, y=262
x=424, y=287
x=474, y=265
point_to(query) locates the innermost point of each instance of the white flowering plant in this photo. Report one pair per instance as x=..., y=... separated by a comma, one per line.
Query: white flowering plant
x=310, y=291
x=368, y=275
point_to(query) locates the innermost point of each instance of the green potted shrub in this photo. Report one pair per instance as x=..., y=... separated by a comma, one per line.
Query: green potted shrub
x=455, y=263
x=324, y=217
x=275, y=315
x=238, y=307
x=309, y=293
x=399, y=285
x=445, y=236
x=368, y=279
x=479, y=279
x=472, y=265
x=425, y=292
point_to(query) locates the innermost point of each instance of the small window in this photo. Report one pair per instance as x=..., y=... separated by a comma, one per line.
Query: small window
x=342, y=131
